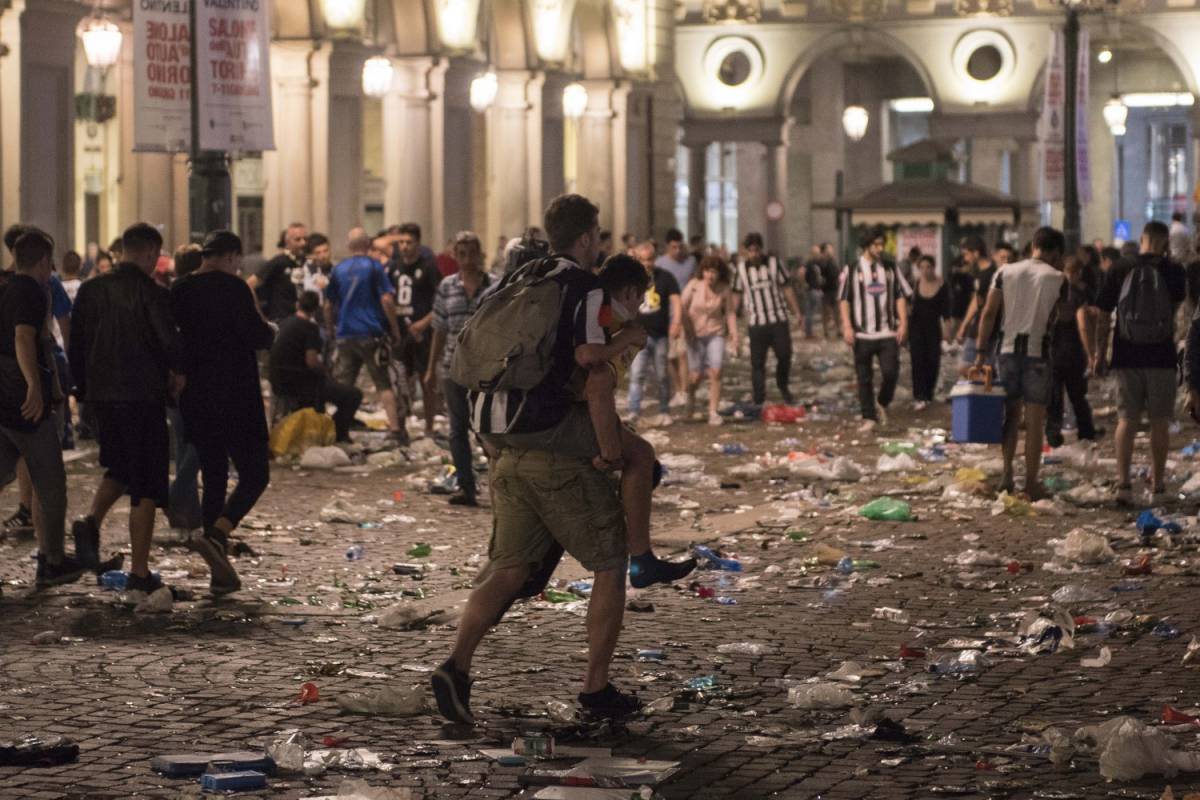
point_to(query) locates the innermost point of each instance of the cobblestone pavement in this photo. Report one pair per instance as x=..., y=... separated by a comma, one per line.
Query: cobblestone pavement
x=216, y=676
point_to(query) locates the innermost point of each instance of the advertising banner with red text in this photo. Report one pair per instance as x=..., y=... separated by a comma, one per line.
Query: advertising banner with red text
x=234, y=75
x=161, y=76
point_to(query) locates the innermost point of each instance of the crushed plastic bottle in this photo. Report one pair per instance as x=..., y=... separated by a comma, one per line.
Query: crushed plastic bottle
x=731, y=449
x=560, y=711
x=820, y=695
x=355, y=552
x=965, y=662
x=891, y=614
x=714, y=561
x=887, y=509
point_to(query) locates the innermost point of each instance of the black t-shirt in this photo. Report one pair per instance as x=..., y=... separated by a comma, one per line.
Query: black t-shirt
x=655, y=312
x=277, y=288
x=830, y=275
x=289, y=371
x=962, y=286
x=23, y=302
x=983, y=284
x=416, y=284
x=814, y=277
x=1126, y=354
x=220, y=330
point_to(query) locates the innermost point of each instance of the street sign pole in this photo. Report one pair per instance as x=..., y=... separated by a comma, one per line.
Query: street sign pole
x=210, y=191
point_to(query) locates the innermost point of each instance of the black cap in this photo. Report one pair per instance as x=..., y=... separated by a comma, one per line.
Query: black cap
x=219, y=243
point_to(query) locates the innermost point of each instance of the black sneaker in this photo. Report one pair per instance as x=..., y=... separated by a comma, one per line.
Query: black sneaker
x=463, y=499
x=66, y=571
x=452, y=690
x=212, y=545
x=609, y=703
x=87, y=542
x=1054, y=439
x=148, y=584
x=648, y=570
x=20, y=522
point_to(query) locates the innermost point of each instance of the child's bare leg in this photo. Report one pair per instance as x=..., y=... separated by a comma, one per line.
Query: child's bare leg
x=637, y=479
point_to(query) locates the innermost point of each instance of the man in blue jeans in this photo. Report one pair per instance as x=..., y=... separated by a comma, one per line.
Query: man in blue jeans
x=361, y=300
x=661, y=316
x=1027, y=293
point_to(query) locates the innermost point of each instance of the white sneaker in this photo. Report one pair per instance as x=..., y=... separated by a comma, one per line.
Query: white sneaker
x=662, y=420
x=679, y=399
x=920, y=405
x=868, y=426
x=715, y=419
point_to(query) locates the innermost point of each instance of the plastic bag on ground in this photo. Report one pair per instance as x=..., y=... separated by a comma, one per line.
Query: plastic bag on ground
x=300, y=431
x=897, y=463
x=341, y=511
x=1011, y=505
x=746, y=649
x=887, y=509
x=1084, y=547
x=1085, y=495
x=1047, y=629
x=388, y=702
x=977, y=558
x=1129, y=750
x=324, y=458
x=816, y=469
x=287, y=750
x=969, y=475
x=361, y=790
x=1103, y=659
x=820, y=695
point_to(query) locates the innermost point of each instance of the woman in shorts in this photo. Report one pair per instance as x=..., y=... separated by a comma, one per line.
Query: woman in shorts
x=708, y=322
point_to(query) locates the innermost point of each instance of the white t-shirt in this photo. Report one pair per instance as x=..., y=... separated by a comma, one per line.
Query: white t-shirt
x=1031, y=291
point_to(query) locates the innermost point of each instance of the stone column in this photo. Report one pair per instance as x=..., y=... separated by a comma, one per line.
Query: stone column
x=339, y=165
x=454, y=158
x=289, y=169
x=513, y=155
x=407, y=145
x=553, y=156
x=47, y=117
x=10, y=116
x=697, y=187
x=595, y=173
x=776, y=184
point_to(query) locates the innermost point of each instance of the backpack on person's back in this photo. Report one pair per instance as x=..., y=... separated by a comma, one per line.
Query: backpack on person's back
x=1145, y=314
x=509, y=342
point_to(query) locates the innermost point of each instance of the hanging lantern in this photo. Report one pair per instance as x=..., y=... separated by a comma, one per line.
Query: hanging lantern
x=344, y=15
x=1115, y=114
x=574, y=100
x=377, y=76
x=483, y=91
x=854, y=122
x=101, y=41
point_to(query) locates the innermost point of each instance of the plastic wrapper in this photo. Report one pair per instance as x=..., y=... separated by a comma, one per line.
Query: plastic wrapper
x=977, y=558
x=817, y=469
x=1046, y=630
x=387, y=702
x=887, y=509
x=341, y=511
x=902, y=462
x=1102, y=659
x=1084, y=547
x=1129, y=750
x=746, y=649
x=324, y=458
x=287, y=750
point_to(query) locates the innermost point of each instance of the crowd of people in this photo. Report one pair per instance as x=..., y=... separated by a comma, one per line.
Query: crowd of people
x=526, y=358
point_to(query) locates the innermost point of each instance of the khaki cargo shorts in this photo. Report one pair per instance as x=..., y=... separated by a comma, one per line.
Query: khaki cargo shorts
x=539, y=498
x=1145, y=391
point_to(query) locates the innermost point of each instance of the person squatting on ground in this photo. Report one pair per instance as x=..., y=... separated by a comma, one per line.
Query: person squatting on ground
x=222, y=329
x=126, y=356
x=709, y=323
x=1144, y=291
x=457, y=298
x=548, y=495
x=762, y=287
x=874, y=301
x=930, y=306
x=297, y=370
x=1027, y=294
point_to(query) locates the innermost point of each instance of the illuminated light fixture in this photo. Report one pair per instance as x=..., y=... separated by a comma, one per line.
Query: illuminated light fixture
x=457, y=22
x=1105, y=55
x=911, y=105
x=1115, y=114
x=377, y=76
x=343, y=15
x=634, y=35
x=854, y=122
x=551, y=28
x=483, y=91
x=574, y=100
x=101, y=41
x=1157, y=99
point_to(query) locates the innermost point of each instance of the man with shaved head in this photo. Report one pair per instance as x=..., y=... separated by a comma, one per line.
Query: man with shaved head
x=360, y=309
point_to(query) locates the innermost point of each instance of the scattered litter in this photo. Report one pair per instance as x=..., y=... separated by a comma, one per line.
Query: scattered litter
x=387, y=702
x=820, y=695
x=324, y=458
x=746, y=649
x=342, y=511
x=887, y=508
x=1128, y=749
x=1102, y=660
x=1083, y=547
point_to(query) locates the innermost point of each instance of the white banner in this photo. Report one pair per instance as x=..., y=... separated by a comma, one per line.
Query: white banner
x=161, y=77
x=234, y=75
x=1053, y=141
x=1082, y=161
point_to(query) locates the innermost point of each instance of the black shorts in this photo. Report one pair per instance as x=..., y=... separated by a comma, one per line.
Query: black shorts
x=135, y=449
x=415, y=355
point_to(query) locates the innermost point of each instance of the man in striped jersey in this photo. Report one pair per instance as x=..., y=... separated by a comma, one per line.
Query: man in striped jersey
x=874, y=303
x=761, y=285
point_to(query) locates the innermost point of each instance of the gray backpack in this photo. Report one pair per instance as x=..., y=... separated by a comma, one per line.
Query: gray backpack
x=509, y=342
x=1145, y=314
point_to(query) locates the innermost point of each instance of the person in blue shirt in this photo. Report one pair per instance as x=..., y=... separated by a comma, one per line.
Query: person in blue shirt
x=360, y=309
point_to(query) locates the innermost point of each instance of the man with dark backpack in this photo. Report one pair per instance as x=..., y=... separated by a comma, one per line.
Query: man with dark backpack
x=1144, y=291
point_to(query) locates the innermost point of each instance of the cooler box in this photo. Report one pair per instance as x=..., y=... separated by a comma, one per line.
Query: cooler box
x=977, y=409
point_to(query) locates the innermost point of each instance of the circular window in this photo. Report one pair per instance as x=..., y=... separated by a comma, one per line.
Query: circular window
x=734, y=69
x=985, y=63
x=984, y=60
x=733, y=65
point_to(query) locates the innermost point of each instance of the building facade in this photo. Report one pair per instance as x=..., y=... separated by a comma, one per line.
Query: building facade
x=716, y=116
